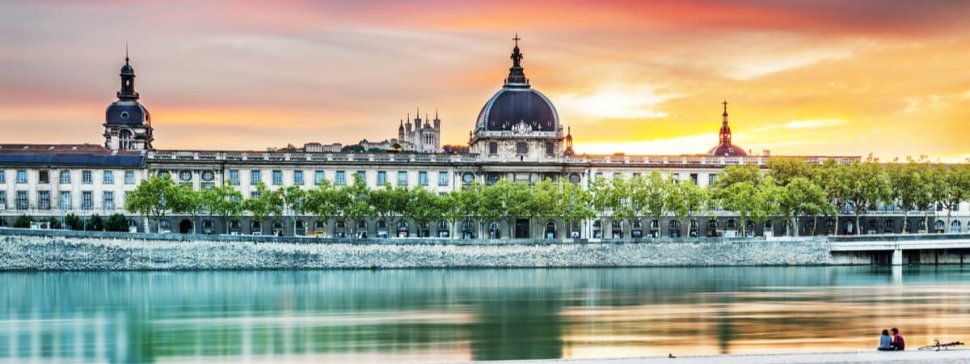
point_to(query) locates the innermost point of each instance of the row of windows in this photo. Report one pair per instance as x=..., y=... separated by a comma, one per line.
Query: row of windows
x=694, y=177
x=522, y=148
x=340, y=177
x=64, y=200
x=64, y=177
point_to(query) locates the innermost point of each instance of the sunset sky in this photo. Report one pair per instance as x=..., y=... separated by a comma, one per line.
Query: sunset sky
x=823, y=77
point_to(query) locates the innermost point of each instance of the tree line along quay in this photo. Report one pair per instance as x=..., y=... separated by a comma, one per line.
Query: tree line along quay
x=790, y=197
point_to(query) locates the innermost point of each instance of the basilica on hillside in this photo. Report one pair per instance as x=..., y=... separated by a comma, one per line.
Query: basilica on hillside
x=518, y=136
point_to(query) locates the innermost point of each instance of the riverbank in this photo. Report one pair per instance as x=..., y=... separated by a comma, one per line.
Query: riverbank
x=50, y=250
x=922, y=357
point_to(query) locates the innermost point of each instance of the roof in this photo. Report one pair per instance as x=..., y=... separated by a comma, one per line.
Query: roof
x=509, y=106
x=87, y=155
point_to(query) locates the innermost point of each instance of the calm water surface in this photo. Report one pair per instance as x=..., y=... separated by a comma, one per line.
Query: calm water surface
x=449, y=315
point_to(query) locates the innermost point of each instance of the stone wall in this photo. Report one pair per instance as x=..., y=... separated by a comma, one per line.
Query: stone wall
x=30, y=250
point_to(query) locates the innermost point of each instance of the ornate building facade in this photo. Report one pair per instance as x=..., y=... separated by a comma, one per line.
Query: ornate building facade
x=517, y=136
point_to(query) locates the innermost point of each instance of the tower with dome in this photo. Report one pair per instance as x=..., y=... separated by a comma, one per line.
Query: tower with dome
x=127, y=123
x=518, y=122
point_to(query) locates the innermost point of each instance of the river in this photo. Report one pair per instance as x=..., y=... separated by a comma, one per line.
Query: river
x=476, y=314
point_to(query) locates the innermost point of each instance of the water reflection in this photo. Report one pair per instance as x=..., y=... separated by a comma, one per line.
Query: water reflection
x=453, y=315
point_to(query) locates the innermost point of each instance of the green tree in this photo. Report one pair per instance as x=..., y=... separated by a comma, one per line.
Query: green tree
x=953, y=188
x=740, y=198
x=735, y=174
x=292, y=201
x=223, y=201
x=688, y=200
x=866, y=185
x=391, y=204
x=652, y=196
x=153, y=198
x=834, y=179
x=783, y=170
x=116, y=222
x=23, y=222
x=261, y=205
x=802, y=197
x=322, y=201
x=71, y=221
x=95, y=223
x=53, y=222
x=424, y=206
x=352, y=204
x=571, y=204
x=190, y=202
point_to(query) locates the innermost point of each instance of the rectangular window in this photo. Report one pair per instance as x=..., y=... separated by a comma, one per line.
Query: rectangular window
x=298, y=178
x=254, y=194
x=44, y=200
x=341, y=178
x=402, y=178
x=22, y=202
x=3, y=198
x=109, y=201
x=361, y=176
x=87, y=200
x=318, y=177
x=442, y=178
x=423, y=178
x=550, y=149
x=65, y=201
x=255, y=176
x=108, y=178
x=43, y=177
x=711, y=178
x=130, y=177
x=277, y=177
x=65, y=177
x=616, y=175
x=492, y=148
x=521, y=148
x=381, y=178
x=3, y=176
x=21, y=176
x=86, y=177
x=693, y=178
x=234, y=177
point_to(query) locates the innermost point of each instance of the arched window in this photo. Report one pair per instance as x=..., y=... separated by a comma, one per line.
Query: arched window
x=550, y=230
x=955, y=226
x=493, y=231
x=126, y=139
x=732, y=225
x=256, y=228
x=164, y=226
x=674, y=229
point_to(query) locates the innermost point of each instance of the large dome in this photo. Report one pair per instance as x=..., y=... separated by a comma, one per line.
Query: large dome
x=127, y=112
x=510, y=106
x=517, y=103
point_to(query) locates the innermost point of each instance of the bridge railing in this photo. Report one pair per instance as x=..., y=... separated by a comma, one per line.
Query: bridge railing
x=898, y=237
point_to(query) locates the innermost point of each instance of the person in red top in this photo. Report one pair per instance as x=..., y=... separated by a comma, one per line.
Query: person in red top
x=898, y=342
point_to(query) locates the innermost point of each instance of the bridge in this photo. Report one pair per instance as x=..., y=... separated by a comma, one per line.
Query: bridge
x=897, y=243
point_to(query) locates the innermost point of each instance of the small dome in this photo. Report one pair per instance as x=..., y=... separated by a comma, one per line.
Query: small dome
x=727, y=150
x=510, y=106
x=127, y=69
x=126, y=112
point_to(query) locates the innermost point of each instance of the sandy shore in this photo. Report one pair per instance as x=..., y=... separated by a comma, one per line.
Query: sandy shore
x=948, y=356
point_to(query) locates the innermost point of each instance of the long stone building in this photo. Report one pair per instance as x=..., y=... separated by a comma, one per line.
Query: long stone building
x=517, y=136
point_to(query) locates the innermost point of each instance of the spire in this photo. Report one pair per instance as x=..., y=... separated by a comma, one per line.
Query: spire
x=725, y=135
x=126, y=53
x=516, y=73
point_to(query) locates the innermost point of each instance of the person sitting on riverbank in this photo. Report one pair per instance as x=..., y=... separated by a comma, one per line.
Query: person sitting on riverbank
x=898, y=342
x=885, y=342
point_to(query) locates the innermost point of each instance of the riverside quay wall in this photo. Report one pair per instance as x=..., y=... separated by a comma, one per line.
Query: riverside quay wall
x=55, y=250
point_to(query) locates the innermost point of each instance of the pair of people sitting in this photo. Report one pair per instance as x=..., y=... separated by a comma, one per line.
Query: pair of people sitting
x=891, y=343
